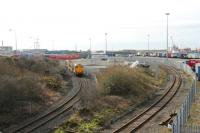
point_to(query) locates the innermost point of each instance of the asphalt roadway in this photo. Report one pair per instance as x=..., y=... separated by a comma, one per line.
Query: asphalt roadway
x=96, y=64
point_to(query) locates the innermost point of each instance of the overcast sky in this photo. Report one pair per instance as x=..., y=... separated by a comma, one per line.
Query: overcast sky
x=60, y=24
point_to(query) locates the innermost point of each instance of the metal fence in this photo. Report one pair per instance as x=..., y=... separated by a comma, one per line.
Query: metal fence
x=179, y=123
x=184, y=112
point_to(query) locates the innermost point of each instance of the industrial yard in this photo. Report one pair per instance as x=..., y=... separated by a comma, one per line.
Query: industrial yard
x=99, y=66
x=111, y=101
x=122, y=87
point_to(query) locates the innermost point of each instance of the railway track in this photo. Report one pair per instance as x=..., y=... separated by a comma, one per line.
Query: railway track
x=141, y=119
x=65, y=105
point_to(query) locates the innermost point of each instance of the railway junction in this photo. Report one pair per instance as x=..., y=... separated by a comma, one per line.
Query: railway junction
x=156, y=115
x=159, y=113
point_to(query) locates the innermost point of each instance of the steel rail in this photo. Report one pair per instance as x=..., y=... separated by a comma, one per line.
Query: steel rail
x=134, y=120
x=47, y=117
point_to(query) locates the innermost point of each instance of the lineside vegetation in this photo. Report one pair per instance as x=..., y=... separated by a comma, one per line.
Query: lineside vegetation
x=118, y=88
x=27, y=85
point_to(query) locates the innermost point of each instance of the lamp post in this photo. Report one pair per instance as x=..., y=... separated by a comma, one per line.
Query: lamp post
x=89, y=52
x=53, y=44
x=76, y=47
x=90, y=43
x=36, y=42
x=106, y=42
x=148, y=44
x=15, y=37
x=167, y=14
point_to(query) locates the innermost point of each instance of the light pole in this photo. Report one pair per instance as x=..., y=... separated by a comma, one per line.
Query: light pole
x=167, y=14
x=148, y=44
x=36, y=42
x=89, y=52
x=90, y=43
x=76, y=47
x=53, y=44
x=106, y=42
x=15, y=37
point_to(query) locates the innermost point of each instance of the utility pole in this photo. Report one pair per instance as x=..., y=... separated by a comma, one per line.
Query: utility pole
x=15, y=37
x=36, y=43
x=2, y=42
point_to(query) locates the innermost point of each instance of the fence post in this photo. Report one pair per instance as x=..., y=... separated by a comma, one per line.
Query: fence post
x=184, y=111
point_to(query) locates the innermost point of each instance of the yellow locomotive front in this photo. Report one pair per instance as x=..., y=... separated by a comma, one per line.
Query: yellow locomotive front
x=79, y=70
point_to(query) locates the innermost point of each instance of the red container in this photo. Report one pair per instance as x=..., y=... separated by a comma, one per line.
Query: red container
x=64, y=56
x=192, y=63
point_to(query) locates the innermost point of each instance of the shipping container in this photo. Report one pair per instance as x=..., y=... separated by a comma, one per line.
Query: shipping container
x=193, y=55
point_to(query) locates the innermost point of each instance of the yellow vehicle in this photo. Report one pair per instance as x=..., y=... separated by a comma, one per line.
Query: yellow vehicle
x=77, y=69
x=69, y=65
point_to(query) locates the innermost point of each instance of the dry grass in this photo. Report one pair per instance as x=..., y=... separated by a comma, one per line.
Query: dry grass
x=194, y=118
x=118, y=88
x=126, y=82
x=165, y=130
x=21, y=84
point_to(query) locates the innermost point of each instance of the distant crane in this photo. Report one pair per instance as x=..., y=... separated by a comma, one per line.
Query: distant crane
x=174, y=47
x=172, y=41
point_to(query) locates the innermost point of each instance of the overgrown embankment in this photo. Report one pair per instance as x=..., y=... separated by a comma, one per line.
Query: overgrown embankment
x=118, y=88
x=27, y=86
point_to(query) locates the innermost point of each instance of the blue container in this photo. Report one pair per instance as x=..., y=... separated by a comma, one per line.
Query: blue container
x=198, y=73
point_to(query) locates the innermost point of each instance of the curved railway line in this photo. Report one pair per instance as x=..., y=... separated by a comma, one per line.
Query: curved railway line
x=65, y=105
x=141, y=119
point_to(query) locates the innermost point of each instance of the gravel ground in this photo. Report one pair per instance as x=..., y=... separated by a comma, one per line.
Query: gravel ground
x=194, y=118
x=172, y=107
x=139, y=109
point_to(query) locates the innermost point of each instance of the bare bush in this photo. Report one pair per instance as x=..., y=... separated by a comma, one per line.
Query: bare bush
x=15, y=91
x=22, y=90
x=123, y=81
x=38, y=65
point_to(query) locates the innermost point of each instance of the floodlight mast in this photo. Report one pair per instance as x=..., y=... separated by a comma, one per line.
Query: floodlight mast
x=167, y=14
